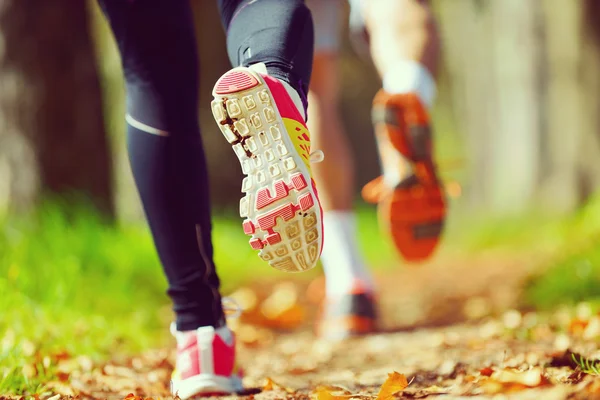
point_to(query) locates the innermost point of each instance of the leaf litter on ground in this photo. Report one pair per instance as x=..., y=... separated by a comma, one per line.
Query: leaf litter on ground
x=512, y=353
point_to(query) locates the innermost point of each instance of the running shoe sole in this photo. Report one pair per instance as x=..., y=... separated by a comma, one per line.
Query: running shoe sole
x=414, y=211
x=280, y=208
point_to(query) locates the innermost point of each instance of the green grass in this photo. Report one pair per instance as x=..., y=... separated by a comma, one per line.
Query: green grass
x=567, y=250
x=76, y=284
x=79, y=285
x=572, y=279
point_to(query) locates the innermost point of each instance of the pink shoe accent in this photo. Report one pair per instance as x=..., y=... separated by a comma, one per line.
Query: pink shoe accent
x=189, y=350
x=265, y=198
x=268, y=221
x=273, y=238
x=223, y=357
x=235, y=81
x=249, y=227
x=189, y=356
x=306, y=201
x=298, y=181
x=314, y=186
x=256, y=244
x=285, y=104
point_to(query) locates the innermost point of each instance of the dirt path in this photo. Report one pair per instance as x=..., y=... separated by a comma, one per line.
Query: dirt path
x=447, y=330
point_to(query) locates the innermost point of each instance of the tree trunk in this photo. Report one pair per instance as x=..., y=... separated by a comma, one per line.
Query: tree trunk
x=52, y=136
x=525, y=78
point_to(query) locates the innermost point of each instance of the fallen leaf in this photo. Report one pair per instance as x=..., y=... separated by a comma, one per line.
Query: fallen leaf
x=395, y=383
x=85, y=363
x=593, y=388
x=281, y=309
x=576, y=377
x=132, y=396
x=302, y=370
x=332, y=393
x=577, y=326
x=564, y=359
x=512, y=319
x=512, y=380
x=62, y=376
x=246, y=298
x=592, y=330
x=61, y=356
x=270, y=384
x=60, y=388
x=253, y=336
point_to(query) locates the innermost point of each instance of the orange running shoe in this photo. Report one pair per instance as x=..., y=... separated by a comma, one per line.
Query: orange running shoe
x=411, y=204
x=281, y=208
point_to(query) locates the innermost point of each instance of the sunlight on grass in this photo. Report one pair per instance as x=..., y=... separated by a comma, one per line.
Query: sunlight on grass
x=79, y=285
x=76, y=284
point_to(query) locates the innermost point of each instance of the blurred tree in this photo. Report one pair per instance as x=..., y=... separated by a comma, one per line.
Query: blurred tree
x=52, y=136
x=524, y=78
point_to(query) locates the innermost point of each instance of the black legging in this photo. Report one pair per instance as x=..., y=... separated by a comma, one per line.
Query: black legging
x=160, y=62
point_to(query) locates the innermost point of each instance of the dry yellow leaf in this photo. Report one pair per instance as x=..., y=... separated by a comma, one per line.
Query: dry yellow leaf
x=395, y=383
x=510, y=380
x=332, y=393
x=270, y=384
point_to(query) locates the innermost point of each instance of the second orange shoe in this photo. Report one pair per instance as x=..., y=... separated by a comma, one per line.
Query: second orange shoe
x=411, y=203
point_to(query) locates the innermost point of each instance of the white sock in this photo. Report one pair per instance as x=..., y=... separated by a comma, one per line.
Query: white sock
x=411, y=77
x=342, y=262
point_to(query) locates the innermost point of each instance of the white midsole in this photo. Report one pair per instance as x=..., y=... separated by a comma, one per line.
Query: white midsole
x=205, y=383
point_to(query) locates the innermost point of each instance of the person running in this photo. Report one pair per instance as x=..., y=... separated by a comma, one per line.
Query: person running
x=403, y=43
x=260, y=107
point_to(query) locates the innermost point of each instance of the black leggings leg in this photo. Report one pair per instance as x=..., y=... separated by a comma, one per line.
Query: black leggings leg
x=278, y=33
x=158, y=51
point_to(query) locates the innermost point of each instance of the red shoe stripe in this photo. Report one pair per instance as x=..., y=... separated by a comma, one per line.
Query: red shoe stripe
x=298, y=181
x=268, y=221
x=249, y=227
x=235, y=81
x=306, y=201
x=264, y=197
x=272, y=239
x=256, y=244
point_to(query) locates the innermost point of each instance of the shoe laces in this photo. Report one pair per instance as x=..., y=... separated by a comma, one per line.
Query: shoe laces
x=316, y=156
x=231, y=308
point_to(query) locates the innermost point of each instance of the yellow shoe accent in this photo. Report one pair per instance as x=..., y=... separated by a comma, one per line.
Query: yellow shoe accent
x=300, y=137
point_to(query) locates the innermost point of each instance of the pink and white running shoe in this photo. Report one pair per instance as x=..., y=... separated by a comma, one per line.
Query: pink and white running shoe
x=262, y=118
x=205, y=363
